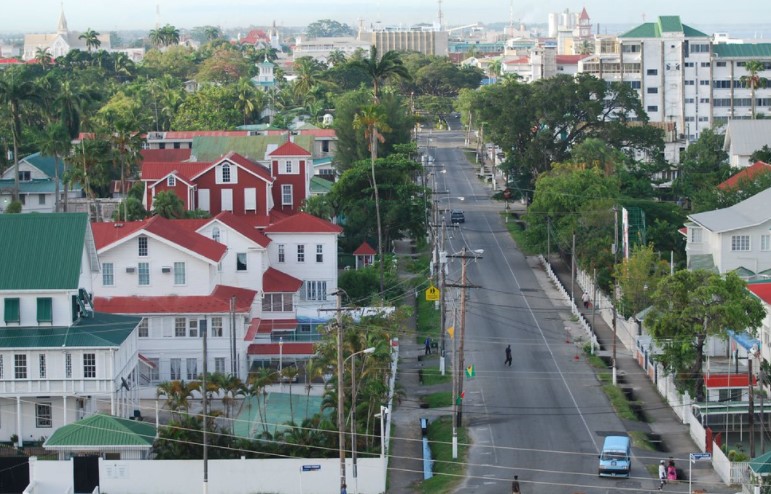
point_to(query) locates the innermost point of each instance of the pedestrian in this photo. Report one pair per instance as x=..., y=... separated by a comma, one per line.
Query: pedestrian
x=671, y=470
x=585, y=298
x=428, y=345
x=662, y=474
x=515, y=485
x=508, y=356
x=343, y=489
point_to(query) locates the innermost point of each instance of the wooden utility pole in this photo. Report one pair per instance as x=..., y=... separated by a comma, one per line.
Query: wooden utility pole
x=615, y=290
x=751, y=407
x=205, y=414
x=340, y=398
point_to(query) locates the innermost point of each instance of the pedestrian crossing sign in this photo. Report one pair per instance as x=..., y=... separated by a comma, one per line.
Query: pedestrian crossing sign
x=432, y=294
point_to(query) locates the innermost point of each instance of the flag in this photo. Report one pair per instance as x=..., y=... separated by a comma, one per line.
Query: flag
x=471, y=371
x=451, y=331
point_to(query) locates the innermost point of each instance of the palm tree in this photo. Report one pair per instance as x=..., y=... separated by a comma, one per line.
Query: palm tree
x=249, y=100
x=91, y=39
x=168, y=205
x=266, y=54
x=381, y=70
x=231, y=386
x=123, y=66
x=212, y=32
x=753, y=80
x=15, y=91
x=585, y=48
x=290, y=374
x=170, y=35
x=494, y=68
x=313, y=370
x=177, y=395
x=56, y=143
x=336, y=57
x=307, y=70
x=257, y=383
x=156, y=38
x=372, y=119
x=44, y=58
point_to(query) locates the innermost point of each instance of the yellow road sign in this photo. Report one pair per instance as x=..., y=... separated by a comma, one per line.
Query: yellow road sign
x=432, y=294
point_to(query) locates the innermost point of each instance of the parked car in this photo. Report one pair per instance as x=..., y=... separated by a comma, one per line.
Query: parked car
x=457, y=216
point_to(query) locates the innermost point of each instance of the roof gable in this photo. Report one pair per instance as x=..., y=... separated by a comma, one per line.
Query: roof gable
x=289, y=148
x=761, y=289
x=745, y=175
x=103, y=430
x=243, y=226
x=364, y=250
x=46, y=164
x=42, y=251
x=303, y=223
x=750, y=212
x=158, y=170
x=274, y=281
x=241, y=162
x=664, y=25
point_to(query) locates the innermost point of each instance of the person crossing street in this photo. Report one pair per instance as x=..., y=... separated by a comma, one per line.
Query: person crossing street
x=508, y=356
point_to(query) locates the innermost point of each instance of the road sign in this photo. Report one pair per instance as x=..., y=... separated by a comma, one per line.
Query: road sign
x=432, y=294
x=311, y=468
x=701, y=456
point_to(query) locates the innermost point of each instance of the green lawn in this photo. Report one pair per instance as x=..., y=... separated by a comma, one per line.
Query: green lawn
x=448, y=472
x=439, y=399
x=433, y=376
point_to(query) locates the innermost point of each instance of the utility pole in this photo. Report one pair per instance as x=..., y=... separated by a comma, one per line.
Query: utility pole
x=615, y=290
x=454, y=387
x=233, y=355
x=751, y=407
x=205, y=400
x=442, y=289
x=340, y=400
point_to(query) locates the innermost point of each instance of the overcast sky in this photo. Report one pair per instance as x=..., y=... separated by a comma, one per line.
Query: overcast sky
x=106, y=15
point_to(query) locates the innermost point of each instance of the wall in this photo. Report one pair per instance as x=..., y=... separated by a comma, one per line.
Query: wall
x=225, y=476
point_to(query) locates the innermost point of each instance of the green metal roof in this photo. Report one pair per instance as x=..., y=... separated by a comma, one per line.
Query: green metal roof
x=664, y=24
x=101, y=330
x=762, y=464
x=38, y=186
x=251, y=147
x=320, y=185
x=41, y=251
x=103, y=430
x=744, y=50
x=702, y=261
x=46, y=164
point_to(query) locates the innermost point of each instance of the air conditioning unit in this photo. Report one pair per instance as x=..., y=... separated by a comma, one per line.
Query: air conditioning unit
x=130, y=269
x=166, y=269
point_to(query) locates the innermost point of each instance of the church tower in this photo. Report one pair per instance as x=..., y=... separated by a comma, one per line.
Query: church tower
x=584, y=25
x=275, y=42
x=61, y=28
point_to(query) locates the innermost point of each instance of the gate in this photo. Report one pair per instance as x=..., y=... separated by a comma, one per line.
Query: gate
x=85, y=473
x=15, y=474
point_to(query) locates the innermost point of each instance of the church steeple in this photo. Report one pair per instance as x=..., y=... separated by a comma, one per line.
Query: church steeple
x=62, y=27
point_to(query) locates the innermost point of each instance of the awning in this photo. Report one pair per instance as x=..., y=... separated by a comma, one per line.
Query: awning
x=288, y=350
x=267, y=326
x=745, y=340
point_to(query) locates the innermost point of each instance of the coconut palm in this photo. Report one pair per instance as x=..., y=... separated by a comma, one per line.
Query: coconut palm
x=43, y=58
x=290, y=373
x=256, y=385
x=170, y=35
x=383, y=69
x=91, y=38
x=313, y=370
x=16, y=90
x=55, y=142
x=212, y=32
x=177, y=394
x=494, y=68
x=248, y=99
x=753, y=79
x=372, y=120
x=231, y=387
x=122, y=66
x=336, y=57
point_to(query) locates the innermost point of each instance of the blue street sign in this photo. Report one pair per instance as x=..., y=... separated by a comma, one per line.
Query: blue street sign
x=701, y=456
x=311, y=468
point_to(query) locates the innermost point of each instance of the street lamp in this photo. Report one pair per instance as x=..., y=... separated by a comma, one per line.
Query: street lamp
x=366, y=351
x=281, y=361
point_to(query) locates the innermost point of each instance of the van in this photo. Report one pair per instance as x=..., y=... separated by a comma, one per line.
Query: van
x=457, y=216
x=616, y=457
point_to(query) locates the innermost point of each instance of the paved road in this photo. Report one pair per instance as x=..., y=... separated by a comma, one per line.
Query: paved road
x=544, y=418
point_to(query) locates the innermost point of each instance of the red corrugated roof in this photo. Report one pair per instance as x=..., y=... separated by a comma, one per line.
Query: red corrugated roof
x=729, y=380
x=10, y=61
x=156, y=170
x=274, y=281
x=303, y=223
x=245, y=225
x=762, y=290
x=289, y=149
x=107, y=233
x=218, y=302
x=166, y=154
x=748, y=174
x=569, y=59
x=517, y=60
x=190, y=134
x=266, y=326
x=364, y=250
x=300, y=349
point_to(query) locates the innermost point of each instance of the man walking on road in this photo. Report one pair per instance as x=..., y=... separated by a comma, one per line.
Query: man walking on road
x=515, y=485
x=508, y=356
x=585, y=299
x=428, y=346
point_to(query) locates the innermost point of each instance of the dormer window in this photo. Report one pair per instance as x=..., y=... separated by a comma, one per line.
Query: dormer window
x=25, y=176
x=226, y=173
x=171, y=181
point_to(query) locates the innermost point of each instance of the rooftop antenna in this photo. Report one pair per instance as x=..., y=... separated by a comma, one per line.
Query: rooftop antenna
x=511, y=18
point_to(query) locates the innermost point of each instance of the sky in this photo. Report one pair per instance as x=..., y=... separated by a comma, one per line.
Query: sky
x=40, y=16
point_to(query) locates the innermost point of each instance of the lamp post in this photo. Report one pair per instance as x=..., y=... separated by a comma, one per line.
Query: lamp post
x=281, y=361
x=366, y=351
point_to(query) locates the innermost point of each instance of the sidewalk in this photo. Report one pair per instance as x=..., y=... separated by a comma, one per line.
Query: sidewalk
x=661, y=420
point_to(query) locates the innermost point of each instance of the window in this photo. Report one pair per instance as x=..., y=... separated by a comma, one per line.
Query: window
x=704, y=100
x=277, y=302
x=219, y=365
x=319, y=253
x=144, y=328
x=191, y=365
x=652, y=72
x=216, y=327
x=634, y=84
x=630, y=48
x=193, y=325
x=225, y=173
x=142, y=246
x=241, y=261
x=765, y=242
x=281, y=253
x=652, y=90
x=155, y=370
x=171, y=181
x=288, y=168
x=688, y=65
x=68, y=365
x=300, y=253
x=286, y=195
x=41, y=199
x=689, y=100
x=179, y=273
x=215, y=234
x=25, y=176
x=699, y=48
x=42, y=362
x=1, y=366
x=689, y=83
x=89, y=365
x=652, y=108
x=45, y=309
x=704, y=82
x=720, y=64
x=695, y=233
x=144, y=273
x=175, y=369
x=740, y=242
x=180, y=327
x=11, y=310
x=705, y=64
x=20, y=366
x=23, y=199
x=108, y=276
x=314, y=290
x=43, y=415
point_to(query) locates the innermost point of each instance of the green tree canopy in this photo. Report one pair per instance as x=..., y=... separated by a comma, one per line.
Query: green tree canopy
x=328, y=28
x=209, y=108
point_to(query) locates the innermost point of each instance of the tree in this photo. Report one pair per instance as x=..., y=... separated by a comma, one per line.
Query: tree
x=91, y=38
x=638, y=276
x=381, y=70
x=753, y=80
x=16, y=90
x=494, y=68
x=256, y=385
x=43, y=58
x=225, y=65
x=55, y=142
x=327, y=28
x=231, y=386
x=209, y=108
x=250, y=101
x=703, y=165
x=763, y=154
x=336, y=57
x=168, y=204
x=164, y=36
x=212, y=32
x=177, y=394
x=689, y=307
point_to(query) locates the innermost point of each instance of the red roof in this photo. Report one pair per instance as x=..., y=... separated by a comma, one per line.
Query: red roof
x=729, y=380
x=245, y=225
x=106, y=234
x=290, y=149
x=10, y=61
x=762, y=290
x=569, y=59
x=242, y=162
x=584, y=15
x=274, y=281
x=254, y=36
x=746, y=175
x=156, y=170
x=303, y=223
x=289, y=348
x=517, y=60
x=266, y=326
x=190, y=134
x=166, y=154
x=218, y=302
x=364, y=250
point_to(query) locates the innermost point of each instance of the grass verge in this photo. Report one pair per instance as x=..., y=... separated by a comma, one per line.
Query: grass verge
x=448, y=472
x=619, y=402
x=427, y=319
x=641, y=440
x=439, y=399
x=517, y=232
x=432, y=376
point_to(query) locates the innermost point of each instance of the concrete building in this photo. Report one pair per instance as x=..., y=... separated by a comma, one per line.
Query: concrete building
x=61, y=42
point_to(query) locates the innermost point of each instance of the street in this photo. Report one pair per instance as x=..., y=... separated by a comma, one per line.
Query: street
x=545, y=417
